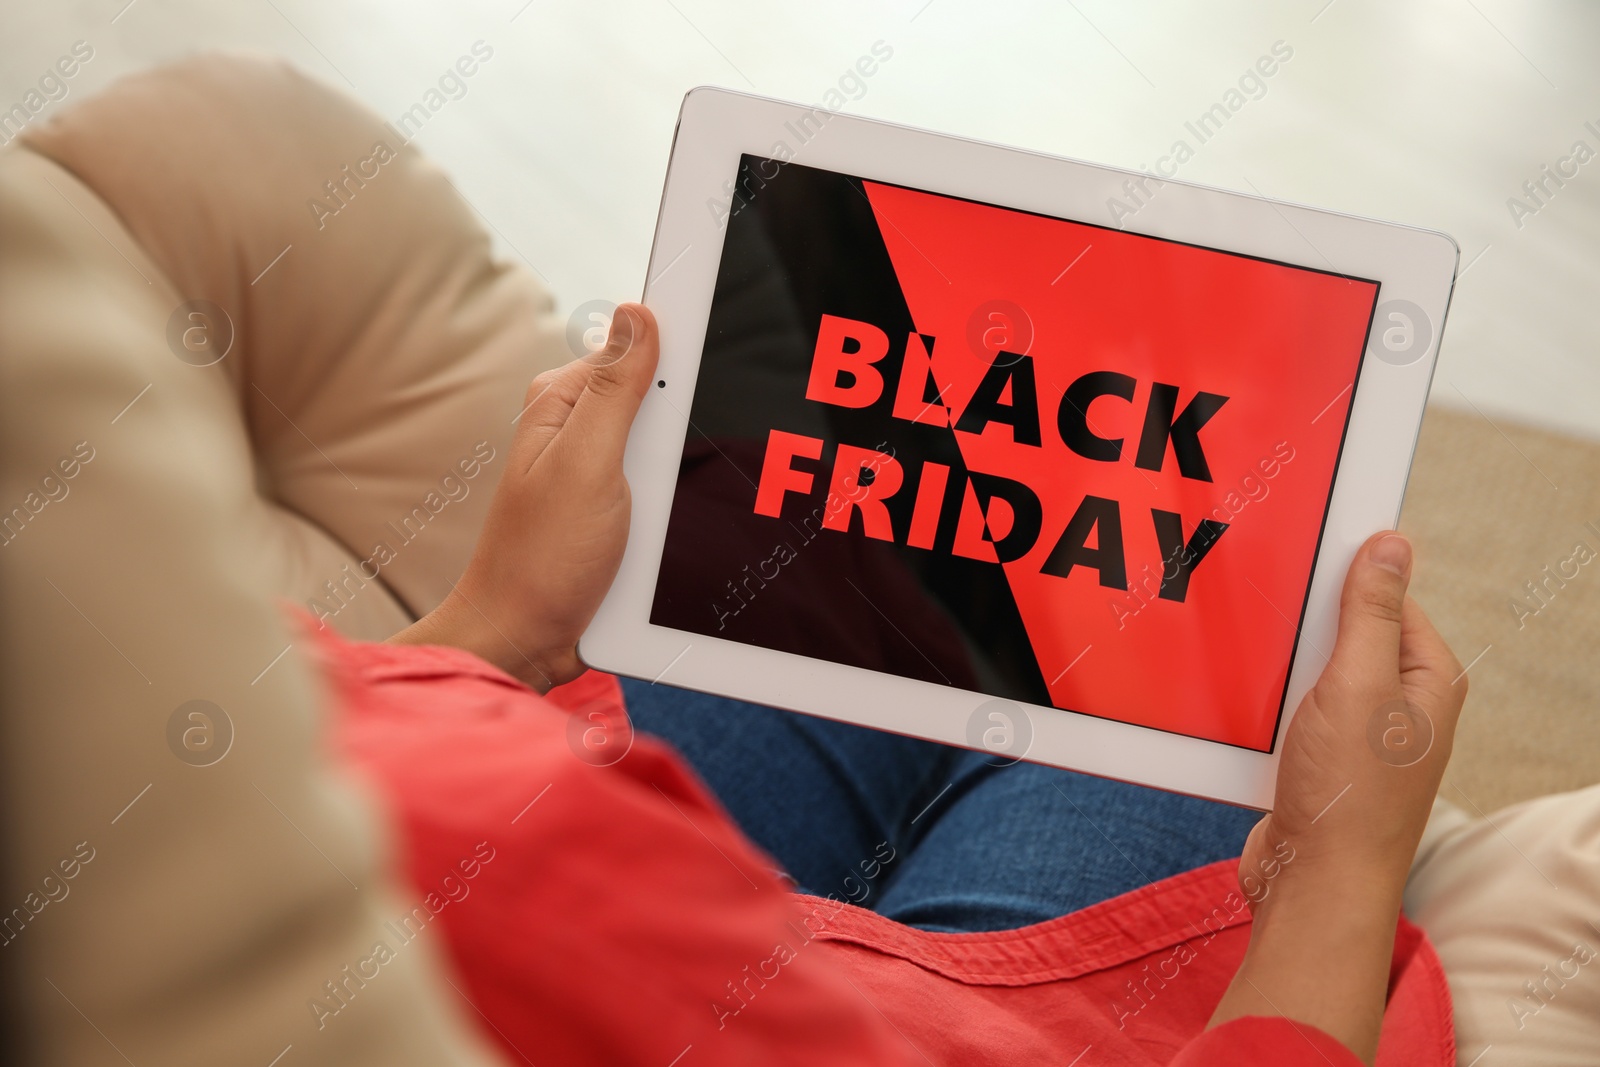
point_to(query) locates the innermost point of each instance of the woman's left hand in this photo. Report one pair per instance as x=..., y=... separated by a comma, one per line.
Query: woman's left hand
x=556, y=528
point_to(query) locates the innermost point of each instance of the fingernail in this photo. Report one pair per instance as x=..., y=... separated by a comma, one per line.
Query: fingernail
x=621, y=335
x=1392, y=553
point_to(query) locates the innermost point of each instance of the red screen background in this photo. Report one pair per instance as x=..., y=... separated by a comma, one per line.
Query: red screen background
x=1283, y=343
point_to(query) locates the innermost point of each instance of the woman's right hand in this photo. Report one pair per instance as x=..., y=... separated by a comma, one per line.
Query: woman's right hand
x=553, y=539
x=1362, y=762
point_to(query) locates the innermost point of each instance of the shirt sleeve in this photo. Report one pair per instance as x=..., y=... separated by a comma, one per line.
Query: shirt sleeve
x=1265, y=1039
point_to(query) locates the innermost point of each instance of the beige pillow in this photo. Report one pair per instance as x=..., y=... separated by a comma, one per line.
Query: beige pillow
x=378, y=353
x=1512, y=903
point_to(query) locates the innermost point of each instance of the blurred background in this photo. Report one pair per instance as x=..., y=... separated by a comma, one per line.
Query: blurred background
x=1431, y=112
x=1448, y=114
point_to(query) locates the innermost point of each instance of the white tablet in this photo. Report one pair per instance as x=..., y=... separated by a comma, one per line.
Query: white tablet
x=1009, y=451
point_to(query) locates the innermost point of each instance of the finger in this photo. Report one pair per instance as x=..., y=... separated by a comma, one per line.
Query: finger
x=1429, y=671
x=619, y=375
x=1254, y=845
x=1371, y=611
x=545, y=409
x=1422, y=650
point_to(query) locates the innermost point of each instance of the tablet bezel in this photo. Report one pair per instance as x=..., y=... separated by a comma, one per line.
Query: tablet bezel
x=715, y=127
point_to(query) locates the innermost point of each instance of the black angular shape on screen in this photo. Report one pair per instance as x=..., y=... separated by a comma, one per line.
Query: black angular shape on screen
x=801, y=243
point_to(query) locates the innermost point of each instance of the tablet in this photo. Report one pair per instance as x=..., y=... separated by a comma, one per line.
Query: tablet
x=1034, y=456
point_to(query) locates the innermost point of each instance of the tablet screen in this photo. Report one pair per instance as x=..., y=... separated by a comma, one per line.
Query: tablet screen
x=1024, y=456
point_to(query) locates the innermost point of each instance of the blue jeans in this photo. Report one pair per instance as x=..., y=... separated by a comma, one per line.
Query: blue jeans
x=932, y=836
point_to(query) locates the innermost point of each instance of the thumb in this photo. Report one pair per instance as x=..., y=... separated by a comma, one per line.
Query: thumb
x=619, y=376
x=1371, y=609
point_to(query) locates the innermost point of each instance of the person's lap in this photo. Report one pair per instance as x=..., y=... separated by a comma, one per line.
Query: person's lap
x=933, y=836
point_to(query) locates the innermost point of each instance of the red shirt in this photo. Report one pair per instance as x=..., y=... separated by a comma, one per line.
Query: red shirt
x=616, y=915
